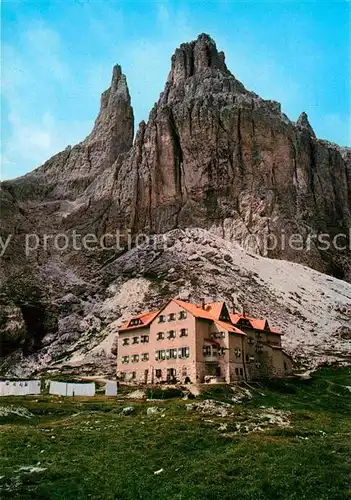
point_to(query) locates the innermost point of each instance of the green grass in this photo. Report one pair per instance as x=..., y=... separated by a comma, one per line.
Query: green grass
x=90, y=450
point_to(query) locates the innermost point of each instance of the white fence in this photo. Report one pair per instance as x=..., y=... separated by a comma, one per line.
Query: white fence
x=19, y=387
x=70, y=389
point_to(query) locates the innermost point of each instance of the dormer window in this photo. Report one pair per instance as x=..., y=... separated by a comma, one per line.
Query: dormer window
x=135, y=322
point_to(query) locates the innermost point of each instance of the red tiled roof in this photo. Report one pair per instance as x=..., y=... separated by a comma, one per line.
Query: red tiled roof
x=194, y=309
x=145, y=317
x=199, y=312
x=256, y=323
x=215, y=308
x=229, y=327
x=211, y=312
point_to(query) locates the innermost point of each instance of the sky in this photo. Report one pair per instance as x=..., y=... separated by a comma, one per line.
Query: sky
x=57, y=58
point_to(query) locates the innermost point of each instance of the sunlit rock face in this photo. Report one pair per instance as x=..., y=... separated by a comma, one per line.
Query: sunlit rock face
x=218, y=156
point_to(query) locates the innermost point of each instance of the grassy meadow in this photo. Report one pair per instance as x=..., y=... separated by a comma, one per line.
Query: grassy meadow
x=82, y=448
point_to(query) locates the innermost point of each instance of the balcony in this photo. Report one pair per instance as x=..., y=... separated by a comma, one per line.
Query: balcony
x=211, y=359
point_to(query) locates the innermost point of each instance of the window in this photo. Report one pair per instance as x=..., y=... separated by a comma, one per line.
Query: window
x=161, y=318
x=135, y=340
x=241, y=371
x=145, y=356
x=171, y=334
x=285, y=366
x=158, y=373
x=182, y=315
x=247, y=357
x=135, y=358
x=250, y=340
x=160, y=336
x=183, y=332
x=135, y=322
x=218, y=335
x=126, y=341
x=122, y=376
x=221, y=351
x=144, y=339
x=160, y=355
x=236, y=371
x=171, y=317
x=183, y=352
x=173, y=353
x=133, y=375
x=171, y=373
x=237, y=352
x=125, y=359
x=207, y=350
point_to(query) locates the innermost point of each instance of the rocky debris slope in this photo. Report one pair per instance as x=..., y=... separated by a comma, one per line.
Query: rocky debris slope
x=240, y=421
x=313, y=310
x=212, y=155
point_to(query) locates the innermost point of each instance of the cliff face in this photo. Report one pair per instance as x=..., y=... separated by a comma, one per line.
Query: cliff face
x=212, y=155
x=215, y=155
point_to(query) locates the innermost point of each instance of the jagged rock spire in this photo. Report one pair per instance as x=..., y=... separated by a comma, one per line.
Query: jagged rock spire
x=115, y=121
x=303, y=122
x=195, y=57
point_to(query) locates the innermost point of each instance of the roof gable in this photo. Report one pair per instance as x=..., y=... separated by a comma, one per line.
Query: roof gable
x=218, y=310
x=254, y=323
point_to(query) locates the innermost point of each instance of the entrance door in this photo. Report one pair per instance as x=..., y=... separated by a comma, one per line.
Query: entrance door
x=171, y=373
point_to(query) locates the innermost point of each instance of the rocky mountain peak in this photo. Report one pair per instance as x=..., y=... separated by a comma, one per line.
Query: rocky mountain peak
x=195, y=57
x=115, y=119
x=303, y=122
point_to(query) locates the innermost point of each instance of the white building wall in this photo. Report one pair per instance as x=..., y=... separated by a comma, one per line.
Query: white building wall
x=19, y=387
x=111, y=388
x=70, y=389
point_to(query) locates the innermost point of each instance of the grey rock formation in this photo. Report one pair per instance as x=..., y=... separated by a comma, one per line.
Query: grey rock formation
x=304, y=123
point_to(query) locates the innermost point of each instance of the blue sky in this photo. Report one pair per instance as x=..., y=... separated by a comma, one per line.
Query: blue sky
x=57, y=58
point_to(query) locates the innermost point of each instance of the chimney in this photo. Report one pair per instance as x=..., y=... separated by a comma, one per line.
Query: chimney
x=203, y=303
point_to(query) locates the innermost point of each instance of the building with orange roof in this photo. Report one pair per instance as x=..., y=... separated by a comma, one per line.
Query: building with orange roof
x=186, y=342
